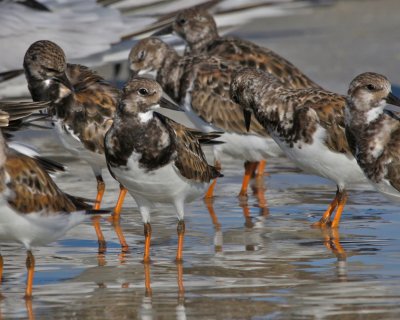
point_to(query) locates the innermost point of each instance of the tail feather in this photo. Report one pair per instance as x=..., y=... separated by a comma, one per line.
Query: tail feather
x=207, y=137
x=50, y=165
x=87, y=205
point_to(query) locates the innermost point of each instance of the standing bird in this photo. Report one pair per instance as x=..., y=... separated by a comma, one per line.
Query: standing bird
x=34, y=211
x=83, y=106
x=157, y=159
x=200, y=84
x=198, y=28
x=374, y=132
x=308, y=124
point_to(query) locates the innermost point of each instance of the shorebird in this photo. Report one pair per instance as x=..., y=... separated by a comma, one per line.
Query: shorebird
x=308, y=124
x=34, y=211
x=157, y=159
x=200, y=84
x=373, y=132
x=83, y=105
x=198, y=28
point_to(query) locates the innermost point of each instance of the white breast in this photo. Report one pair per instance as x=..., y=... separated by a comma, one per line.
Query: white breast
x=247, y=147
x=164, y=185
x=317, y=158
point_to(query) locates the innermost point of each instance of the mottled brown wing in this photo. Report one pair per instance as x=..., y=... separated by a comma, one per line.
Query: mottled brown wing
x=248, y=54
x=95, y=105
x=32, y=189
x=211, y=101
x=329, y=108
x=391, y=156
x=190, y=160
x=22, y=109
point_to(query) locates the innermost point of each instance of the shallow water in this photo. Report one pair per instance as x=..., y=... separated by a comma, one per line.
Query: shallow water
x=251, y=263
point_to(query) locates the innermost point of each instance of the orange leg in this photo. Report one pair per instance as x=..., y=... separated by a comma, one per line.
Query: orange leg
x=121, y=237
x=96, y=222
x=326, y=217
x=99, y=233
x=120, y=201
x=261, y=168
x=30, y=266
x=147, y=280
x=181, y=233
x=210, y=191
x=250, y=167
x=342, y=203
x=100, y=192
x=147, y=240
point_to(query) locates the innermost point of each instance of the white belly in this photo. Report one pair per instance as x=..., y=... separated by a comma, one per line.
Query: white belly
x=164, y=185
x=72, y=143
x=35, y=229
x=318, y=159
x=247, y=147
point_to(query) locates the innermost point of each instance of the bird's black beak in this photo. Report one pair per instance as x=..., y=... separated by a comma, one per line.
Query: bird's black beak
x=64, y=81
x=164, y=31
x=169, y=104
x=392, y=99
x=247, y=118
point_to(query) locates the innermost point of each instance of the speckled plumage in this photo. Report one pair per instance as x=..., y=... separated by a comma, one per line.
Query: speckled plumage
x=155, y=158
x=200, y=84
x=308, y=124
x=197, y=27
x=373, y=132
x=159, y=141
x=205, y=78
x=82, y=103
x=34, y=211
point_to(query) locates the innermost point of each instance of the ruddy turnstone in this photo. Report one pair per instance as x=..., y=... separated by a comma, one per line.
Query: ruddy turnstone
x=198, y=28
x=83, y=103
x=373, y=132
x=157, y=159
x=308, y=124
x=200, y=84
x=34, y=211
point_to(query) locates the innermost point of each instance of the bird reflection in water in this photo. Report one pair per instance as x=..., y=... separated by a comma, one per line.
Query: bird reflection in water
x=259, y=190
x=332, y=243
x=146, y=311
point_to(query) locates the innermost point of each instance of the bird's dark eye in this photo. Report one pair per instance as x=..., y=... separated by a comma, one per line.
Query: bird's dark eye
x=371, y=87
x=141, y=55
x=143, y=92
x=182, y=21
x=235, y=99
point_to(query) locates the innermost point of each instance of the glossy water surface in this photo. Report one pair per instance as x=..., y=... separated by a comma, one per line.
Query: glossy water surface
x=253, y=261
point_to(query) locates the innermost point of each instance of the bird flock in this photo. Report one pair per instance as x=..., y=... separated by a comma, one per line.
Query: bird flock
x=245, y=101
